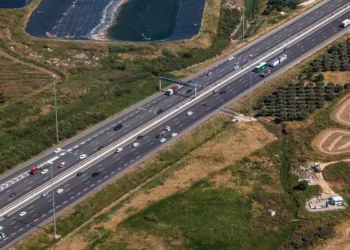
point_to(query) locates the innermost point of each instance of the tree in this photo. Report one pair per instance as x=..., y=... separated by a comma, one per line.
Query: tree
x=2, y=98
x=303, y=185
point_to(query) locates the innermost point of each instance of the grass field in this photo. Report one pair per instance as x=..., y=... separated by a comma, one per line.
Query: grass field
x=337, y=176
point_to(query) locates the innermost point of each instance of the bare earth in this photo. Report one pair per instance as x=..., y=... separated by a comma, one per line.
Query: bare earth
x=211, y=157
x=334, y=141
x=341, y=241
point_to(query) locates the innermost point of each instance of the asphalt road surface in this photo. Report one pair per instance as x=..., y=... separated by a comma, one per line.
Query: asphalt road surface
x=40, y=209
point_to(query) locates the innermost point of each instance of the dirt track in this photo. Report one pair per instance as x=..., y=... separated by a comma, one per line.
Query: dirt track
x=334, y=141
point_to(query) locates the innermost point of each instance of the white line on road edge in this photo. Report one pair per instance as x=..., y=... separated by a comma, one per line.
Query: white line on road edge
x=35, y=194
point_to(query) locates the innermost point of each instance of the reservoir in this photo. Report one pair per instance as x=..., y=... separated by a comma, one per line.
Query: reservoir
x=139, y=20
x=112, y=20
x=6, y=4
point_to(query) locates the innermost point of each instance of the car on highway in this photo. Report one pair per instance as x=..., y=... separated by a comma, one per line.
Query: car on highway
x=209, y=73
x=82, y=156
x=23, y=213
x=62, y=164
x=44, y=171
x=190, y=81
x=250, y=55
x=60, y=190
x=230, y=58
x=100, y=147
x=189, y=113
x=189, y=91
x=286, y=49
x=139, y=137
x=57, y=150
x=2, y=236
x=118, y=126
x=135, y=144
x=173, y=134
x=95, y=174
x=236, y=66
x=1, y=227
x=13, y=194
x=167, y=128
x=222, y=92
x=216, y=90
x=80, y=174
x=162, y=140
x=119, y=150
x=160, y=111
x=44, y=194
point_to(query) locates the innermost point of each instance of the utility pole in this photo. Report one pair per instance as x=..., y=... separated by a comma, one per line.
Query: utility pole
x=53, y=204
x=195, y=91
x=54, y=87
x=243, y=18
x=251, y=94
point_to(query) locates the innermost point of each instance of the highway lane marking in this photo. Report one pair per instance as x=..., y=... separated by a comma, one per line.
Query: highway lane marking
x=13, y=223
x=13, y=234
x=85, y=189
x=72, y=197
x=21, y=229
x=43, y=215
x=31, y=207
x=265, y=56
x=36, y=220
x=50, y=211
x=99, y=181
x=16, y=226
x=75, y=146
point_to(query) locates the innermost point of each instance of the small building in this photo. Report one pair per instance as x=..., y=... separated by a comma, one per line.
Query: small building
x=336, y=200
x=271, y=212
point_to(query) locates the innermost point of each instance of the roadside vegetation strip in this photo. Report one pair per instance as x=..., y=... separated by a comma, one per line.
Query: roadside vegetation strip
x=129, y=181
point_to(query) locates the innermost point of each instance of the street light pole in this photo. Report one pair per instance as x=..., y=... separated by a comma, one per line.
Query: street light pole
x=251, y=94
x=54, y=86
x=243, y=21
x=53, y=204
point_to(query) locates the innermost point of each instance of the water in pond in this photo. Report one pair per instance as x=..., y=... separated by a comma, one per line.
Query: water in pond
x=5, y=4
x=139, y=20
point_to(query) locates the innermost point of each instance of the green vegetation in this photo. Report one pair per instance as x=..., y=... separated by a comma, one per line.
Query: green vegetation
x=297, y=101
x=337, y=58
x=279, y=5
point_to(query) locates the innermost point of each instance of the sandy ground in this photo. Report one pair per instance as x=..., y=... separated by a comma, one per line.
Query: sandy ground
x=211, y=157
x=334, y=141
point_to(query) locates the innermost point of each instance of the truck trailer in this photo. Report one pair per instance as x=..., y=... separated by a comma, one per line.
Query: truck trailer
x=173, y=89
x=278, y=60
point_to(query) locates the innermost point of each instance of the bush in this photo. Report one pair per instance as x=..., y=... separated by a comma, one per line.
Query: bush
x=151, y=217
x=169, y=53
x=303, y=185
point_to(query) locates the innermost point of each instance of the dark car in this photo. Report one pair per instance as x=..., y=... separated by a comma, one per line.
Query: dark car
x=80, y=174
x=95, y=174
x=119, y=126
x=139, y=137
x=286, y=49
x=222, y=92
x=160, y=111
x=204, y=104
x=13, y=194
x=100, y=147
x=189, y=91
x=189, y=81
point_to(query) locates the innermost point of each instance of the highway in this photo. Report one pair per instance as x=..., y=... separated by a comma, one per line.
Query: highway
x=38, y=209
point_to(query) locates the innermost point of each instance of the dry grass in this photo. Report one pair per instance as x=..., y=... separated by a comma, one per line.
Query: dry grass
x=337, y=77
x=208, y=159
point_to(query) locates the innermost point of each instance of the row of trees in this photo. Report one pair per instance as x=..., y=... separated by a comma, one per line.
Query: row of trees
x=297, y=101
x=2, y=98
x=337, y=58
x=279, y=5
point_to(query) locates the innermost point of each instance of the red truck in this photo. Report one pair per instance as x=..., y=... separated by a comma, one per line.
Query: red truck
x=173, y=89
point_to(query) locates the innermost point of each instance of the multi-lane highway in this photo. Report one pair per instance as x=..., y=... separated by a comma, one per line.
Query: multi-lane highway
x=301, y=36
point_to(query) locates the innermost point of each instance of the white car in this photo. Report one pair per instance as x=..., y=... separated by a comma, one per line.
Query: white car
x=44, y=171
x=119, y=150
x=83, y=156
x=23, y=213
x=44, y=194
x=162, y=140
x=1, y=227
x=173, y=134
x=230, y=58
x=135, y=144
x=209, y=73
x=167, y=128
x=2, y=236
x=189, y=113
x=60, y=190
x=236, y=66
x=57, y=150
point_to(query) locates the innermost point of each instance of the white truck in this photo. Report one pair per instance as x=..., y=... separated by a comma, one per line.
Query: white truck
x=345, y=23
x=173, y=89
x=278, y=60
